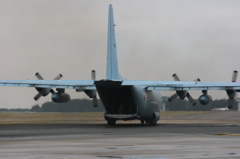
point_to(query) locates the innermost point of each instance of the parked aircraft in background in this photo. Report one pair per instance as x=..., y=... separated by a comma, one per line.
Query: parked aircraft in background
x=125, y=99
x=220, y=109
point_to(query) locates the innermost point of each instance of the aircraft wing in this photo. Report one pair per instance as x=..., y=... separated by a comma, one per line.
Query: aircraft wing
x=150, y=85
x=61, y=84
x=183, y=85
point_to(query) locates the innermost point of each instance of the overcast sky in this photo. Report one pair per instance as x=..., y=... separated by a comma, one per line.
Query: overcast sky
x=155, y=38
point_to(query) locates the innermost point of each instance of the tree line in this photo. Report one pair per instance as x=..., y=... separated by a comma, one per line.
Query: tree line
x=85, y=105
x=74, y=105
x=184, y=105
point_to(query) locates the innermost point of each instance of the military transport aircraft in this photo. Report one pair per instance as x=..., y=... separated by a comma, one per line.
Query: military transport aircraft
x=125, y=99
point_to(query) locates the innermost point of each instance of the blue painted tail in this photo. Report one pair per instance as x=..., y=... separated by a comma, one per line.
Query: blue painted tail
x=112, y=61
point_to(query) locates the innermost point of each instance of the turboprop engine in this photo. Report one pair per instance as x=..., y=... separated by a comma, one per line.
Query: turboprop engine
x=206, y=99
x=182, y=94
x=91, y=93
x=60, y=97
x=232, y=93
x=44, y=91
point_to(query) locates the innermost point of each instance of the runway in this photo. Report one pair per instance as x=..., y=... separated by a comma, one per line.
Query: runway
x=129, y=140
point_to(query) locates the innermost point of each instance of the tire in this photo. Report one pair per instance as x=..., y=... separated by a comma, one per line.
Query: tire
x=152, y=122
x=111, y=122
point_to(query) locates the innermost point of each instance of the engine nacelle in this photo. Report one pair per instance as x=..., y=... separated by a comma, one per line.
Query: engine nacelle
x=60, y=97
x=90, y=93
x=205, y=99
x=156, y=116
x=182, y=94
x=43, y=91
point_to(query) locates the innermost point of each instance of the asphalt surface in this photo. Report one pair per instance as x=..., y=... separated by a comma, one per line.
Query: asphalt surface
x=12, y=131
x=125, y=140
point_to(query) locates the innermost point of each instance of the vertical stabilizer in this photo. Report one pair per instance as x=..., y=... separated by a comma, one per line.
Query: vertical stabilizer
x=112, y=62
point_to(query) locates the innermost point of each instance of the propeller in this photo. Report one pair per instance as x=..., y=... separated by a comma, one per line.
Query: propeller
x=182, y=94
x=190, y=99
x=37, y=96
x=175, y=77
x=173, y=97
x=39, y=76
x=231, y=93
x=230, y=103
x=197, y=80
x=95, y=102
x=58, y=77
x=44, y=91
x=234, y=76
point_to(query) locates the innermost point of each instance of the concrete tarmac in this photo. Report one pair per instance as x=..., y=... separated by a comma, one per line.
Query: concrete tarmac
x=128, y=140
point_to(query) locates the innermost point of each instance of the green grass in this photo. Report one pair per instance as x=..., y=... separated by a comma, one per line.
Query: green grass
x=23, y=118
x=227, y=134
x=64, y=118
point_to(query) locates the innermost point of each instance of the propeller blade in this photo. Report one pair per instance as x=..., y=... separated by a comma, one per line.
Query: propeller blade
x=234, y=76
x=37, y=96
x=197, y=80
x=230, y=103
x=58, y=77
x=93, y=74
x=191, y=100
x=174, y=96
x=95, y=103
x=175, y=77
x=52, y=91
x=39, y=76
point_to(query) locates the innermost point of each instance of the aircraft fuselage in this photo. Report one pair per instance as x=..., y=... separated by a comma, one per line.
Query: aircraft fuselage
x=128, y=102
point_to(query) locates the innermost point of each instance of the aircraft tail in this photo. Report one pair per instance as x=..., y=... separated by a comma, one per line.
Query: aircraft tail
x=112, y=61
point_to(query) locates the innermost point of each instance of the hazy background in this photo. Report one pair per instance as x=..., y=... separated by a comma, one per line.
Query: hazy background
x=154, y=40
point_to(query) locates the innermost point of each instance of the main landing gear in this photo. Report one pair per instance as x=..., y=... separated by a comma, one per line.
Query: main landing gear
x=111, y=122
x=150, y=122
x=143, y=121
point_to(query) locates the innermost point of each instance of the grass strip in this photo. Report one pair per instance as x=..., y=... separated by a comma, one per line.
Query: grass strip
x=227, y=134
x=62, y=117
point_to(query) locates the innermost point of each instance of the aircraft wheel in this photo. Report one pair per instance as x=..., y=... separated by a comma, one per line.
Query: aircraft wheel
x=152, y=122
x=142, y=121
x=147, y=121
x=111, y=122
